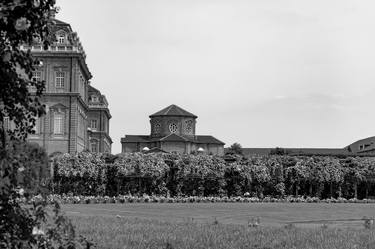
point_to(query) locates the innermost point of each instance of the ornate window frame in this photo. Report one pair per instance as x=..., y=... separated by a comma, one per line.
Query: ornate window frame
x=189, y=126
x=61, y=37
x=173, y=127
x=94, y=142
x=60, y=77
x=156, y=127
x=58, y=113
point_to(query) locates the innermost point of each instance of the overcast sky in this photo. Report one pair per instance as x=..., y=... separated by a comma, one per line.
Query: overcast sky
x=264, y=73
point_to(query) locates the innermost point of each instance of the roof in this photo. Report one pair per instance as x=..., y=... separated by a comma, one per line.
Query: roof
x=368, y=143
x=173, y=138
x=173, y=110
x=135, y=139
x=170, y=138
x=208, y=139
x=93, y=89
x=58, y=22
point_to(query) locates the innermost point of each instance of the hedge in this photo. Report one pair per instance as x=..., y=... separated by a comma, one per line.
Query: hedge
x=171, y=174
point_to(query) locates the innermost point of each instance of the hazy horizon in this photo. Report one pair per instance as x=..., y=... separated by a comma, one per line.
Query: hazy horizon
x=260, y=73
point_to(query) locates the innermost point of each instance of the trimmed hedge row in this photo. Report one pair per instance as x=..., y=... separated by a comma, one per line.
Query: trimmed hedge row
x=203, y=175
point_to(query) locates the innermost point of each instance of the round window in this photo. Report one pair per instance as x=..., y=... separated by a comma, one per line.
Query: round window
x=173, y=127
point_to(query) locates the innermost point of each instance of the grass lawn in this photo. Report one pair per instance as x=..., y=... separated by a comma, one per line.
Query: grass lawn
x=191, y=225
x=271, y=214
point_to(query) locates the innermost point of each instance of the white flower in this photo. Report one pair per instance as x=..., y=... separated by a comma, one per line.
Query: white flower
x=37, y=231
x=36, y=3
x=22, y=24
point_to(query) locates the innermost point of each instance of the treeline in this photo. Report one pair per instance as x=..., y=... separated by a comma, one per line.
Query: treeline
x=203, y=175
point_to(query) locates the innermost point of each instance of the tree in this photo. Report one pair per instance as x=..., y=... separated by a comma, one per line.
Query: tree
x=21, y=23
x=235, y=149
x=35, y=174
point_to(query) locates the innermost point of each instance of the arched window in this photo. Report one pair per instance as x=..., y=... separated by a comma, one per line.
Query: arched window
x=58, y=123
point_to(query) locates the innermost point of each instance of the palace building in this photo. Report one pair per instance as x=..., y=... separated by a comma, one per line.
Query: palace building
x=173, y=130
x=77, y=115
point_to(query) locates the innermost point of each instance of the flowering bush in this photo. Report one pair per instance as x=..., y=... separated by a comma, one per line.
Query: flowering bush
x=70, y=199
x=204, y=175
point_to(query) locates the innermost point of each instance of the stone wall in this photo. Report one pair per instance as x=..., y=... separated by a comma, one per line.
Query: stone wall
x=166, y=121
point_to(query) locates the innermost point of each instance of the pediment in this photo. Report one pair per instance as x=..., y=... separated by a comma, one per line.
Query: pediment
x=58, y=107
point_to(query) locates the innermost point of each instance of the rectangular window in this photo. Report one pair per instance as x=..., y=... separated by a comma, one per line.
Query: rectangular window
x=6, y=123
x=61, y=39
x=94, y=124
x=60, y=79
x=81, y=126
x=81, y=86
x=58, y=124
x=37, y=76
x=94, y=147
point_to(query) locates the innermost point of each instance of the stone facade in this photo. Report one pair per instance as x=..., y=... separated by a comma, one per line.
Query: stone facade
x=98, y=118
x=64, y=128
x=173, y=130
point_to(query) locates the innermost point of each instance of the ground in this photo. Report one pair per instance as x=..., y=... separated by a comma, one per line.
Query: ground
x=222, y=225
x=271, y=214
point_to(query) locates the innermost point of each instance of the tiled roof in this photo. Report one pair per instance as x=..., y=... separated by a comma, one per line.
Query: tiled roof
x=367, y=143
x=135, y=139
x=173, y=110
x=208, y=139
x=173, y=138
x=58, y=22
x=93, y=89
x=170, y=138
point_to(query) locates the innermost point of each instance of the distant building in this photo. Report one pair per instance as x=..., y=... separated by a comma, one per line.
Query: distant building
x=173, y=129
x=293, y=151
x=364, y=147
x=98, y=116
x=72, y=104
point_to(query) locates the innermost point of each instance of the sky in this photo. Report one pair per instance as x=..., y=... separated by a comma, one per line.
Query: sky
x=263, y=73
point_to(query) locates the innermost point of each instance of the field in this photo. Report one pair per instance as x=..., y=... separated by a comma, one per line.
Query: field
x=223, y=225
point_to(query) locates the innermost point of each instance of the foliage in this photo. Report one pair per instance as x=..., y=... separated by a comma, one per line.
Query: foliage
x=81, y=173
x=22, y=22
x=235, y=149
x=205, y=175
x=34, y=176
x=145, y=165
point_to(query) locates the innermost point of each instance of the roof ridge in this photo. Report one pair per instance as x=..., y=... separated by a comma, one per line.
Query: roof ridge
x=170, y=107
